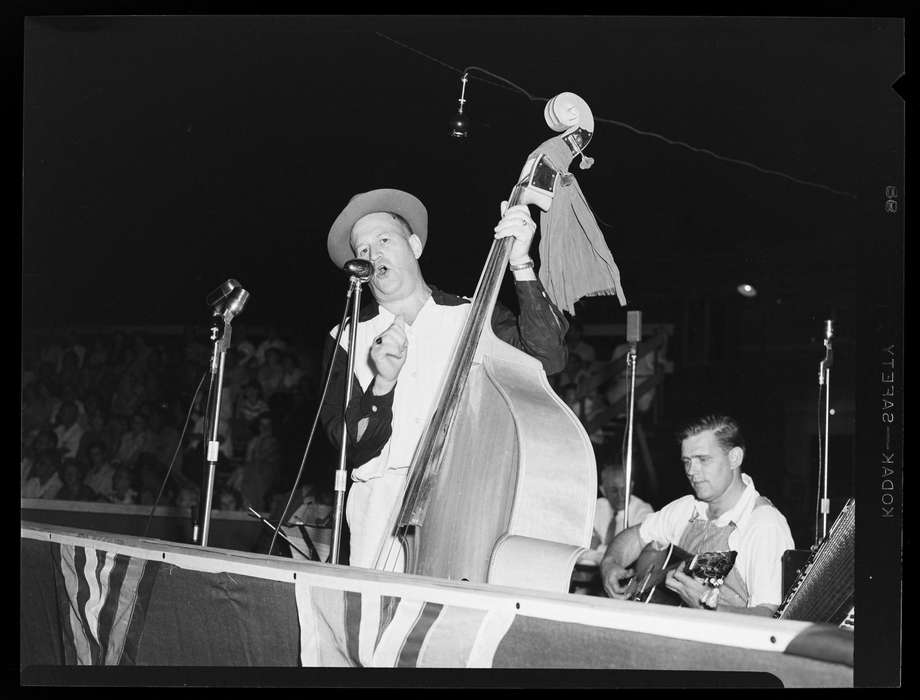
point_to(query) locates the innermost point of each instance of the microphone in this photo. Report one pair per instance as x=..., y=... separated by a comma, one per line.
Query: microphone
x=228, y=299
x=363, y=270
x=235, y=303
x=828, y=335
x=633, y=327
x=222, y=292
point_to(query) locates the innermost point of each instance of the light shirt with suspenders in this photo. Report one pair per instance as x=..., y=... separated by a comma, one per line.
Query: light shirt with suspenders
x=753, y=527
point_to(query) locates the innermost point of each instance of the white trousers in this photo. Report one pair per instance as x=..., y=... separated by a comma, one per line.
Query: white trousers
x=370, y=510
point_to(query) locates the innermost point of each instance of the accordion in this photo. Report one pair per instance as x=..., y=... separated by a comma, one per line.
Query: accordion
x=823, y=590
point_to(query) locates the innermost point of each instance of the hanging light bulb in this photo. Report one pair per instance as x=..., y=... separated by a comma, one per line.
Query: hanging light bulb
x=747, y=290
x=459, y=125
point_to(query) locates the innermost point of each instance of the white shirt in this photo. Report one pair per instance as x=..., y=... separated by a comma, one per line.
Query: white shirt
x=69, y=439
x=603, y=513
x=760, y=538
x=34, y=488
x=431, y=337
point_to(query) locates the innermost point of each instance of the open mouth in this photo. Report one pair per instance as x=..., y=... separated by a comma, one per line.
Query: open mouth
x=381, y=271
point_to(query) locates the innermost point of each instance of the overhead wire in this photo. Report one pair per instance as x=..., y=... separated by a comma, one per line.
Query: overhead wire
x=509, y=85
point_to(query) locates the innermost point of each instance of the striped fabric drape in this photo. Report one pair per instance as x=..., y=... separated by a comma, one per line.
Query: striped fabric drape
x=102, y=601
x=348, y=628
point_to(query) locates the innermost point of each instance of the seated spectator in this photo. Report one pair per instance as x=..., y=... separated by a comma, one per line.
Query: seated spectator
x=45, y=481
x=290, y=380
x=150, y=479
x=69, y=393
x=138, y=439
x=244, y=349
x=51, y=351
x=249, y=406
x=123, y=491
x=239, y=368
x=229, y=499
x=98, y=354
x=100, y=475
x=95, y=432
x=92, y=403
x=115, y=429
x=69, y=372
x=73, y=489
x=68, y=430
x=44, y=439
x=610, y=513
x=271, y=374
x=166, y=438
x=128, y=395
x=187, y=498
x=273, y=340
x=196, y=438
x=72, y=344
x=38, y=401
x=256, y=477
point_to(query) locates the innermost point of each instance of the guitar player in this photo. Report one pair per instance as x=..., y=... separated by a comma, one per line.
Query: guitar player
x=724, y=513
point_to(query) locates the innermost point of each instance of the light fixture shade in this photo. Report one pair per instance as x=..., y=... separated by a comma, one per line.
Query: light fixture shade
x=459, y=126
x=747, y=290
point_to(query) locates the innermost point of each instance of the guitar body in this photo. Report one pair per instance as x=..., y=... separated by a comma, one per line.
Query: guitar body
x=652, y=566
x=654, y=563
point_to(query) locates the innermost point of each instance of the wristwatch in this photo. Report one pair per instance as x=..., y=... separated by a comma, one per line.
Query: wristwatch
x=521, y=266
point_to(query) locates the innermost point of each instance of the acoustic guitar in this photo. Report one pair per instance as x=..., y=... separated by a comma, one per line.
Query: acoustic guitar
x=653, y=565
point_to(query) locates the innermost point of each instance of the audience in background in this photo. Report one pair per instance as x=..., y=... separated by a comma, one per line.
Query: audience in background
x=44, y=482
x=44, y=439
x=610, y=512
x=100, y=475
x=68, y=430
x=271, y=374
x=123, y=491
x=256, y=477
x=139, y=439
x=229, y=499
x=73, y=488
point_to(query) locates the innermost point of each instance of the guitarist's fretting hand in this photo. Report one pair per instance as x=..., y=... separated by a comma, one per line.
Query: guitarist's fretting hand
x=688, y=588
x=612, y=574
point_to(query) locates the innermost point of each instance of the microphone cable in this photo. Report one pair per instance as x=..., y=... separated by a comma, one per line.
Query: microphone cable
x=322, y=400
x=172, y=462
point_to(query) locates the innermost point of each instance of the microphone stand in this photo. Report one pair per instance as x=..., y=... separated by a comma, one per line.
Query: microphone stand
x=824, y=379
x=631, y=368
x=220, y=335
x=341, y=473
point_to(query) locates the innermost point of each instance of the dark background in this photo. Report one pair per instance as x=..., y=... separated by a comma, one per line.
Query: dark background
x=164, y=154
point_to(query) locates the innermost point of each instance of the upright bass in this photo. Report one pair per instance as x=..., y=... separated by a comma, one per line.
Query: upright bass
x=502, y=485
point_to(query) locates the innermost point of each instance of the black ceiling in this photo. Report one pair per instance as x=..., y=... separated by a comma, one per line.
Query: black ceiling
x=165, y=154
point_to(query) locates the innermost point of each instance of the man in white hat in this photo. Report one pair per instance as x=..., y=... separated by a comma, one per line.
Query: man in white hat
x=404, y=341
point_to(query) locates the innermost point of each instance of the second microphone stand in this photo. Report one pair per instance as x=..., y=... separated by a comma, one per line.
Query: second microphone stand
x=824, y=380
x=630, y=411
x=341, y=473
x=220, y=336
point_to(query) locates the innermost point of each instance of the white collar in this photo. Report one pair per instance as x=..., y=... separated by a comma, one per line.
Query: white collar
x=737, y=511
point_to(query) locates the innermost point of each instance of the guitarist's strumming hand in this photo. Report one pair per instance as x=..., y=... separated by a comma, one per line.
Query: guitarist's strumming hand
x=688, y=588
x=612, y=575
